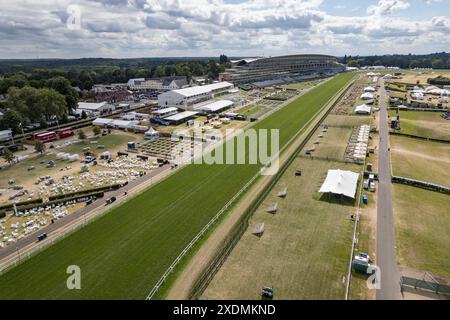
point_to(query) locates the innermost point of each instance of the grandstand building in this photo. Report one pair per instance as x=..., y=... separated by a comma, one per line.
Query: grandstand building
x=282, y=69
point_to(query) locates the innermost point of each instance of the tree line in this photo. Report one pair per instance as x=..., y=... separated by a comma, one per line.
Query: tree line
x=104, y=71
x=44, y=90
x=435, y=61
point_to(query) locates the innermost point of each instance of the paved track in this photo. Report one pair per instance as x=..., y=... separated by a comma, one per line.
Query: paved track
x=386, y=256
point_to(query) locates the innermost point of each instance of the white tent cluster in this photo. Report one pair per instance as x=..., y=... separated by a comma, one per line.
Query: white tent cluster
x=437, y=91
x=34, y=219
x=67, y=156
x=340, y=182
x=128, y=163
x=358, y=144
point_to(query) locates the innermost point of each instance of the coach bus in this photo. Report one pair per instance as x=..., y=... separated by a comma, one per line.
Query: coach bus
x=64, y=133
x=47, y=136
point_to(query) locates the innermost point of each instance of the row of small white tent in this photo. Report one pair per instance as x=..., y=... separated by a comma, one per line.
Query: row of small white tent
x=68, y=156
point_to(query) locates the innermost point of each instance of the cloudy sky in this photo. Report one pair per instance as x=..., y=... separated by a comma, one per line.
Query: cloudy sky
x=150, y=28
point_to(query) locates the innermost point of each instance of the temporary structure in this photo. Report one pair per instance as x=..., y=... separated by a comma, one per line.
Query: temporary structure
x=340, y=182
x=363, y=109
x=151, y=134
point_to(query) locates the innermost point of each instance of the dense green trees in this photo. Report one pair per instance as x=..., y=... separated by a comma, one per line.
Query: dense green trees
x=36, y=105
x=435, y=60
x=353, y=63
x=63, y=86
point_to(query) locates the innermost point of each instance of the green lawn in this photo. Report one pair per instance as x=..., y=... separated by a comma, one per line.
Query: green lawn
x=420, y=159
x=332, y=145
x=424, y=124
x=349, y=121
x=422, y=225
x=123, y=254
x=306, y=245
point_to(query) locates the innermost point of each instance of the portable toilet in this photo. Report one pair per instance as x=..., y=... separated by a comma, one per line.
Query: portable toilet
x=366, y=184
x=365, y=199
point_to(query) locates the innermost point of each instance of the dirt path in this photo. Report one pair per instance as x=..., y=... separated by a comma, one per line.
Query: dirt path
x=182, y=286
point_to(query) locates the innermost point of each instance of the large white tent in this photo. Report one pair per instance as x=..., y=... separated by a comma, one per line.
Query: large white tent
x=367, y=96
x=363, y=109
x=340, y=182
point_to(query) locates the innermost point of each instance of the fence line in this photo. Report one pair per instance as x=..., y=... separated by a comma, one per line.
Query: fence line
x=240, y=227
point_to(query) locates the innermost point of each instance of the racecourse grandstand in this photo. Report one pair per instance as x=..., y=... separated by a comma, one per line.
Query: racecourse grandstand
x=284, y=69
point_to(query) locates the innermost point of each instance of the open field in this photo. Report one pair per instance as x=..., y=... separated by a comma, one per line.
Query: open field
x=423, y=124
x=124, y=253
x=304, y=250
x=412, y=77
x=334, y=120
x=422, y=224
x=331, y=146
x=420, y=159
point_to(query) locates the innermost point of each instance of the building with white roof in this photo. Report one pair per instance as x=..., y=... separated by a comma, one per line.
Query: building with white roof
x=369, y=89
x=92, y=107
x=186, y=97
x=215, y=107
x=165, y=112
x=340, y=182
x=115, y=123
x=180, y=117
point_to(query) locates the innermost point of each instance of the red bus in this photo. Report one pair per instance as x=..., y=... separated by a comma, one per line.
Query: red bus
x=64, y=133
x=47, y=136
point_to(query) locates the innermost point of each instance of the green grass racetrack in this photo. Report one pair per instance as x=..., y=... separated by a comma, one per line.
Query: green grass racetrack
x=124, y=253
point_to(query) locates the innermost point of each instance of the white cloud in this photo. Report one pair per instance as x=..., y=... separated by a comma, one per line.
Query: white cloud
x=386, y=7
x=119, y=28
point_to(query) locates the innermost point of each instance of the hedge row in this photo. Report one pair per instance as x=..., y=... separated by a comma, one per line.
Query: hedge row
x=421, y=184
x=10, y=206
x=61, y=201
x=82, y=192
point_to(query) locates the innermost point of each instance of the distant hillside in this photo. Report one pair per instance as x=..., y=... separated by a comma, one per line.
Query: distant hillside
x=434, y=60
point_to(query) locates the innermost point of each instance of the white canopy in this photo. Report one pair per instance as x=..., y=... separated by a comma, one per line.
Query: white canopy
x=369, y=89
x=364, y=108
x=340, y=182
x=367, y=96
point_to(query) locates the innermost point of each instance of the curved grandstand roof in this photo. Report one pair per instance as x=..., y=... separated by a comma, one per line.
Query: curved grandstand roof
x=294, y=56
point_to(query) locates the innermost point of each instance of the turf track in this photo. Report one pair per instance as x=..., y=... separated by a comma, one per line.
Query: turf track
x=124, y=253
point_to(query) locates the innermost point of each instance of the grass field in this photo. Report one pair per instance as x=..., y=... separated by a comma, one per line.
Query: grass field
x=422, y=224
x=424, y=124
x=123, y=254
x=333, y=144
x=305, y=248
x=334, y=120
x=420, y=159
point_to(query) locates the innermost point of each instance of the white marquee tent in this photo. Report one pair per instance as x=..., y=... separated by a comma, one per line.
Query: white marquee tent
x=363, y=109
x=340, y=182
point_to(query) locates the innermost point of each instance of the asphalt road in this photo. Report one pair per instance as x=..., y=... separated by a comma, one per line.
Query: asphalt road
x=386, y=256
x=15, y=249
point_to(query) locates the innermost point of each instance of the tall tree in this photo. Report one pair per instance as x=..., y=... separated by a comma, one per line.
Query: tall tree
x=63, y=86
